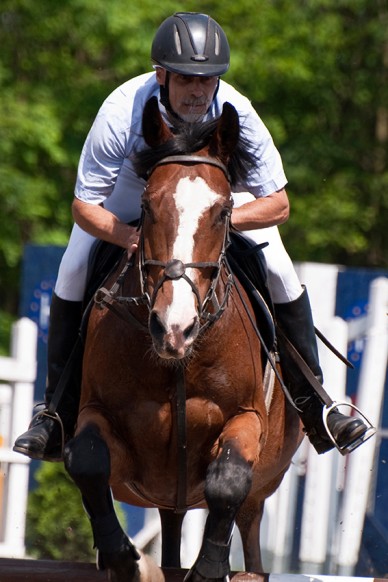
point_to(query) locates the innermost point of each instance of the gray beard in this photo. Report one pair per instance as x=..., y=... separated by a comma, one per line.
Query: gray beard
x=193, y=117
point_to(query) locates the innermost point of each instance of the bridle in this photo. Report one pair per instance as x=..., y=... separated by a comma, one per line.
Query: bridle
x=175, y=269
x=191, y=159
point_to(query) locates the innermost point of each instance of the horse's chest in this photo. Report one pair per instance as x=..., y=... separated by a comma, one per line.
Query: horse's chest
x=157, y=421
x=153, y=457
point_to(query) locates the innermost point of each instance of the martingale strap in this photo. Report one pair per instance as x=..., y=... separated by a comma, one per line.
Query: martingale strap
x=180, y=412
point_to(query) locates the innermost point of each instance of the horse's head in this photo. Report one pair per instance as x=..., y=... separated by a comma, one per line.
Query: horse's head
x=186, y=208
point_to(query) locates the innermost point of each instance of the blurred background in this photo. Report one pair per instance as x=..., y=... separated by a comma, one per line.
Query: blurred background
x=317, y=73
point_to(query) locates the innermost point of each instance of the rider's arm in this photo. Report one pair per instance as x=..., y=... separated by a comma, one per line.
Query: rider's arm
x=262, y=212
x=104, y=225
x=267, y=180
x=101, y=161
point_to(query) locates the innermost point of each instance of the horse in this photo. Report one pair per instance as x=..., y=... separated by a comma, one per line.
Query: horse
x=173, y=412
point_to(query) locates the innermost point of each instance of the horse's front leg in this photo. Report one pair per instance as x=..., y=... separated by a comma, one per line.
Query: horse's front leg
x=228, y=482
x=248, y=521
x=87, y=460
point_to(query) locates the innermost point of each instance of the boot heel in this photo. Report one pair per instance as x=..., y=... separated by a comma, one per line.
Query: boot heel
x=370, y=430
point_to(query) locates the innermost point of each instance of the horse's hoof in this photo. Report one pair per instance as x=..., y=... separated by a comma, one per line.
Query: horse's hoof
x=194, y=576
x=121, y=565
x=122, y=568
x=149, y=571
x=249, y=577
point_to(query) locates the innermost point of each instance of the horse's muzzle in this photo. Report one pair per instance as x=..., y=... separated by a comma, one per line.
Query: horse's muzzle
x=174, y=343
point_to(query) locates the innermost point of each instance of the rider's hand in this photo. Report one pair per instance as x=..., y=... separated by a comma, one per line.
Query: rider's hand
x=102, y=224
x=133, y=241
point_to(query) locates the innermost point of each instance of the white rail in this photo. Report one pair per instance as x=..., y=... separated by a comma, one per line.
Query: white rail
x=336, y=488
x=17, y=375
x=370, y=397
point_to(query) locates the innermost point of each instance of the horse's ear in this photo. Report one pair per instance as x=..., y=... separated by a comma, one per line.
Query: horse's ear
x=225, y=137
x=155, y=130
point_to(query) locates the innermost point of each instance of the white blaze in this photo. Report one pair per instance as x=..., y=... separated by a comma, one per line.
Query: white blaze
x=192, y=199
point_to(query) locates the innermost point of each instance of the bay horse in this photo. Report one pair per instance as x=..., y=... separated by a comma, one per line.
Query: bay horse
x=173, y=413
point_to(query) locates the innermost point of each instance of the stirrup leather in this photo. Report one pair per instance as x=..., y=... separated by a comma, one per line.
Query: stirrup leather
x=344, y=450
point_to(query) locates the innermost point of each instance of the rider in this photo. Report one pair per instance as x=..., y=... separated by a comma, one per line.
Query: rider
x=190, y=52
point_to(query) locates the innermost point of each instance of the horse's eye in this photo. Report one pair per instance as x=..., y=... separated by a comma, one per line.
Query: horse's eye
x=147, y=209
x=146, y=206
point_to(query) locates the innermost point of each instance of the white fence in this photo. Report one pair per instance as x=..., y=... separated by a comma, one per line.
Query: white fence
x=336, y=489
x=17, y=376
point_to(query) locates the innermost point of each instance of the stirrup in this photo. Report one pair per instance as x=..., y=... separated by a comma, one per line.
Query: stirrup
x=370, y=431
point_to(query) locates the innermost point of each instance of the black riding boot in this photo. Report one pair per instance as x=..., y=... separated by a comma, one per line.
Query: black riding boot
x=45, y=436
x=295, y=320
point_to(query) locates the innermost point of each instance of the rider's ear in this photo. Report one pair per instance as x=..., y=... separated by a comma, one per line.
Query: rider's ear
x=161, y=75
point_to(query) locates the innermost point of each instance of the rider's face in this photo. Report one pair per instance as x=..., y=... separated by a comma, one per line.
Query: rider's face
x=190, y=96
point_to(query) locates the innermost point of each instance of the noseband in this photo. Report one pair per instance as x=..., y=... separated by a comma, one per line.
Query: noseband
x=175, y=269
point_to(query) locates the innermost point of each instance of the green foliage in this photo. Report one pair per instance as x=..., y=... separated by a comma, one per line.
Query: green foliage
x=318, y=75
x=6, y=321
x=57, y=527
x=316, y=71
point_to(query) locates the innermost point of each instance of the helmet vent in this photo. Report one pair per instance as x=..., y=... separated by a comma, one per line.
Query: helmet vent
x=177, y=39
x=217, y=43
x=199, y=58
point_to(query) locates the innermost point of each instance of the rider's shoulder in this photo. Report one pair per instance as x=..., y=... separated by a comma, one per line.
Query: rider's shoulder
x=128, y=99
x=229, y=93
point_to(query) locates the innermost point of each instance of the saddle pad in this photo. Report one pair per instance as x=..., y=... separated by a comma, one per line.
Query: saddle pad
x=247, y=262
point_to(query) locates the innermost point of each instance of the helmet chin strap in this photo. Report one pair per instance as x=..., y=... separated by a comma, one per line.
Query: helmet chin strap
x=165, y=98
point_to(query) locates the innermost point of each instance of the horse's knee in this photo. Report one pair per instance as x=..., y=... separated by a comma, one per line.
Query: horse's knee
x=87, y=457
x=228, y=481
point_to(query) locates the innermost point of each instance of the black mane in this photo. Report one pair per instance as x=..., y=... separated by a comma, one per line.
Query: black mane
x=190, y=138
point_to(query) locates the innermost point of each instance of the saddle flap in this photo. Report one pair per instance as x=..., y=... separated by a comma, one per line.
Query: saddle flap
x=247, y=262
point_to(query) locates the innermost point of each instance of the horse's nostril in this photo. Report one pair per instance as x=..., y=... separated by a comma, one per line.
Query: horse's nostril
x=191, y=329
x=155, y=325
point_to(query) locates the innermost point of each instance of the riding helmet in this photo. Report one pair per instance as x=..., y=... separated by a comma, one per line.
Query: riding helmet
x=190, y=43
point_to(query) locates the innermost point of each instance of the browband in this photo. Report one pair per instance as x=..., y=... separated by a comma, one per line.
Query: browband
x=188, y=159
